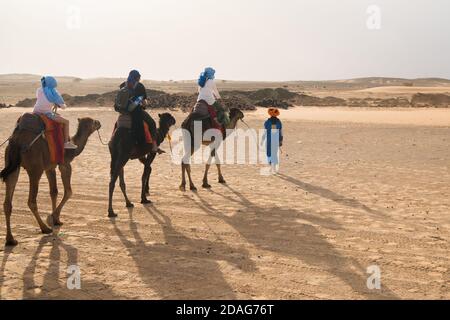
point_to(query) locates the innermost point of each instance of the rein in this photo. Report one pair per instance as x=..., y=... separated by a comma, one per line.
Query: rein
x=245, y=123
x=100, y=138
x=1, y=145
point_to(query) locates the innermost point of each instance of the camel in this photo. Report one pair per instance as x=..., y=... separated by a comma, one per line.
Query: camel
x=35, y=159
x=235, y=116
x=122, y=149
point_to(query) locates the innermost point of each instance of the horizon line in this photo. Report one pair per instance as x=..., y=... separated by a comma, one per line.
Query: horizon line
x=266, y=81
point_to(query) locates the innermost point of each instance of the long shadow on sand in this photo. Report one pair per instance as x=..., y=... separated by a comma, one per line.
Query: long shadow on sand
x=329, y=194
x=182, y=267
x=6, y=253
x=52, y=286
x=294, y=233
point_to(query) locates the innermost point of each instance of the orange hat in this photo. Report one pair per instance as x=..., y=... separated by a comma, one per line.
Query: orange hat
x=273, y=112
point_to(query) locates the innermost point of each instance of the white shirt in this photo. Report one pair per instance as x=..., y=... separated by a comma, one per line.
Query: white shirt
x=209, y=92
x=42, y=104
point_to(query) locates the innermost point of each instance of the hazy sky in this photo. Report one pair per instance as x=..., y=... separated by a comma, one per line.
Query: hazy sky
x=242, y=39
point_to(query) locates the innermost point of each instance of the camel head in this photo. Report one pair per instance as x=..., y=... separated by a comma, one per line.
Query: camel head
x=237, y=114
x=88, y=125
x=166, y=119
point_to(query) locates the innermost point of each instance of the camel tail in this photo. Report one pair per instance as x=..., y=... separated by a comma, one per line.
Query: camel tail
x=12, y=160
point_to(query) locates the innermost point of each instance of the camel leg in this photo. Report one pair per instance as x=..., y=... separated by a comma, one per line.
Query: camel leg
x=11, y=182
x=145, y=184
x=150, y=159
x=123, y=187
x=206, y=185
x=115, y=172
x=112, y=185
x=32, y=199
x=188, y=171
x=146, y=179
x=183, y=177
x=66, y=175
x=53, y=186
x=219, y=171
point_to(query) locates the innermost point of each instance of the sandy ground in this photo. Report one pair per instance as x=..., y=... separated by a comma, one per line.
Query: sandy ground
x=403, y=116
x=349, y=195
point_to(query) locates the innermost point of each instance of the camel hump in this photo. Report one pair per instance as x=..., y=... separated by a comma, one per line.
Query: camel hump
x=199, y=113
x=188, y=123
x=30, y=122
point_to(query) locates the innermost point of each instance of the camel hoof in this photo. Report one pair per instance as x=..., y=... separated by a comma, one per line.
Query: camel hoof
x=182, y=188
x=146, y=201
x=11, y=243
x=222, y=181
x=111, y=214
x=193, y=188
x=206, y=186
x=58, y=223
x=129, y=205
x=52, y=221
x=46, y=230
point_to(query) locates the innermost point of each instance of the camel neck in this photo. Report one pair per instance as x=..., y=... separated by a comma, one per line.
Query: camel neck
x=232, y=124
x=162, y=132
x=80, y=139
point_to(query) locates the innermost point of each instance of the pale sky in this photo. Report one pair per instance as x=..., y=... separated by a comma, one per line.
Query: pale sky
x=242, y=39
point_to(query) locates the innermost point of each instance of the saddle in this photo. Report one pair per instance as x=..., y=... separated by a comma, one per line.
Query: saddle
x=30, y=122
x=53, y=133
x=125, y=121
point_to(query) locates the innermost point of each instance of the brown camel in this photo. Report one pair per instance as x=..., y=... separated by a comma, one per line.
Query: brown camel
x=235, y=116
x=122, y=148
x=35, y=159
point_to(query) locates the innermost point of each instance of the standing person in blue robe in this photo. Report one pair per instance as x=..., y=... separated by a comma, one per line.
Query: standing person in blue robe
x=273, y=137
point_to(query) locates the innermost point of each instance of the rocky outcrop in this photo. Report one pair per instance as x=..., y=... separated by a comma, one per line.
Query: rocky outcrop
x=437, y=100
x=247, y=100
x=379, y=103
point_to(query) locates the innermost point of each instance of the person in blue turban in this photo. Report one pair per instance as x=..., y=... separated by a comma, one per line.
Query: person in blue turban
x=47, y=97
x=209, y=95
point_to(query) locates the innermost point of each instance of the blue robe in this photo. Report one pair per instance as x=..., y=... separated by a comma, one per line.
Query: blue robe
x=274, y=139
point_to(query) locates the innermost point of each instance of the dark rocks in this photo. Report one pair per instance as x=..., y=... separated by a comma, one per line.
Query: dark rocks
x=26, y=103
x=247, y=100
x=267, y=103
x=437, y=100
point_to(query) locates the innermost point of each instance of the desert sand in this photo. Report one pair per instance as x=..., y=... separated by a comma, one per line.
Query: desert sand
x=356, y=188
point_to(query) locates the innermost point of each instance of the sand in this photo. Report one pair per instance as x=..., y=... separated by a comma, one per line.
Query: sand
x=400, y=116
x=355, y=189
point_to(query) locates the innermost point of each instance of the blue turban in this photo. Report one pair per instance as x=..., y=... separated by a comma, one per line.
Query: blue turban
x=206, y=75
x=133, y=77
x=49, y=85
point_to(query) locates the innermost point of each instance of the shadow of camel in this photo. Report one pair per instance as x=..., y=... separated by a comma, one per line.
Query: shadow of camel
x=7, y=251
x=182, y=267
x=328, y=194
x=52, y=286
x=292, y=232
